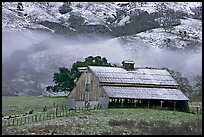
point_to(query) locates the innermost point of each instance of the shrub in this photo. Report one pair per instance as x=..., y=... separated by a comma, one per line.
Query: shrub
x=65, y=8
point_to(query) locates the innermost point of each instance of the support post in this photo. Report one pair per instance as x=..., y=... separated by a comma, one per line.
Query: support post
x=122, y=103
x=148, y=104
x=174, y=105
x=162, y=103
x=135, y=102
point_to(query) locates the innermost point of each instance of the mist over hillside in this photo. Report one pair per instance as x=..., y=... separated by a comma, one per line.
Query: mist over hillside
x=31, y=56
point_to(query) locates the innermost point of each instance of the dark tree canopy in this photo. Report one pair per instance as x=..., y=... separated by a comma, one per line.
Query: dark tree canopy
x=168, y=18
x=20, y=6
x=65, y=8
x=184, y=84
x=65, y=79
x=198, y=85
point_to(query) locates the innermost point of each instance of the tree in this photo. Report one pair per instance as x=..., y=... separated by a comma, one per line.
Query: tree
x=184, y=84
x=89, y=61
x=197, y=12
x=20, y=6
x=76, y=22
x=168, y=17
x=65, y=79
x=198, y=85
x=65, y=8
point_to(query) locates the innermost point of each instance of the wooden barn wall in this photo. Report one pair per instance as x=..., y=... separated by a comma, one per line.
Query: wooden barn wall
x=78, y=92
x=95, y=90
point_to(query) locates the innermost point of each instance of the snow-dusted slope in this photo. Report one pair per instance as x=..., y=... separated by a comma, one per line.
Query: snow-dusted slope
x=31, y=57
x=160, y=38
x=93, y=12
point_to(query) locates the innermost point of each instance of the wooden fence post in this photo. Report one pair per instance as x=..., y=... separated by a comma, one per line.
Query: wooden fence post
x=21, y=121
x=32, y=118
x=29, y=119
x=63, y=110
x=13, y=121
x=16, y=121
x=9, y=122
x=25, y=119
x=56, y=111
x=35, y=118
x=66, y=112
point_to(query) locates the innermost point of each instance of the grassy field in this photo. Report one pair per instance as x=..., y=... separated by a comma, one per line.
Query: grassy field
x=116, y=122
x=15, y=105
x=130, y=121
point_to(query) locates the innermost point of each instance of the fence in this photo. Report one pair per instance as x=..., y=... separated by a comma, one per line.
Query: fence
x=60, y=111
x=195, y=110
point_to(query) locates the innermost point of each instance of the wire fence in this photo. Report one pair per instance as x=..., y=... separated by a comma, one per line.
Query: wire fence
x=59, y=111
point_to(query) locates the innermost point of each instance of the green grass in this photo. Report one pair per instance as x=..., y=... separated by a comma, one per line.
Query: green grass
x=134, y=121
x=116, y=121
x=15, y=105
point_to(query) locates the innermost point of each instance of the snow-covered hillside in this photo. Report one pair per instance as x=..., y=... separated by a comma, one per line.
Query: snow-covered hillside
x=93, y=12
x=42, y=36
x=173, y=40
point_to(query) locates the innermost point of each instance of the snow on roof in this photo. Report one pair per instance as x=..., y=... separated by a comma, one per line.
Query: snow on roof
x=144, y=93
x=128, y=61
x=82, y=69
x=107, y=69
x=137, y=76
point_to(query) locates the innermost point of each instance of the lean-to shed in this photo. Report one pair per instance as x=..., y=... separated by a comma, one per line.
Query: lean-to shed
x=126, y=87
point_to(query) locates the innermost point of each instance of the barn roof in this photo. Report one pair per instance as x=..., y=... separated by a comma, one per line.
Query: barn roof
x=136, y=76
x=144, y=93
x=128, y=61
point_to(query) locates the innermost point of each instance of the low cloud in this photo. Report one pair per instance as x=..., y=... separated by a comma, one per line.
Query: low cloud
x=39, y=51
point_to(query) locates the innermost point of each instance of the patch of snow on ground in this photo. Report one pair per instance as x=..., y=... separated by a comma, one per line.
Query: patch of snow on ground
x=193, y=28
x=157, y=36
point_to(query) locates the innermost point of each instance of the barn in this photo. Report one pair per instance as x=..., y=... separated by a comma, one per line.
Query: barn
x=126, y=86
